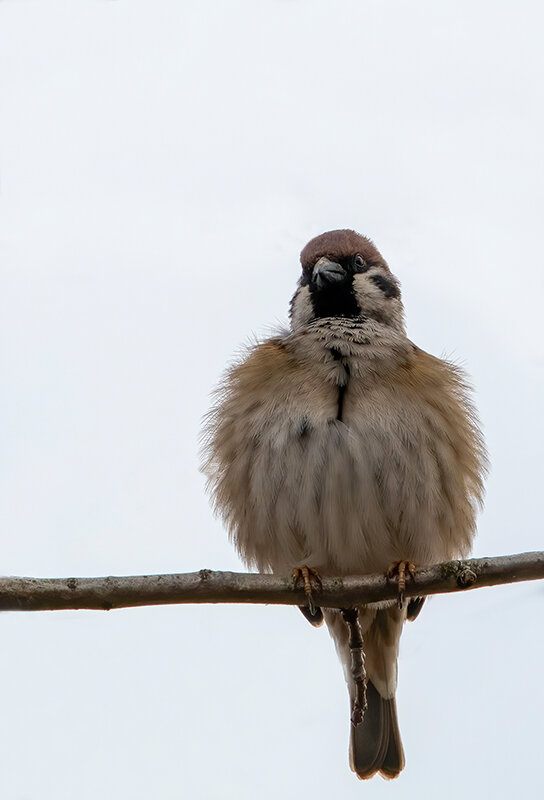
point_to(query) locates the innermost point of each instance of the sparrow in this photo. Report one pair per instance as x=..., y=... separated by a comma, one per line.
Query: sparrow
x=339, y=447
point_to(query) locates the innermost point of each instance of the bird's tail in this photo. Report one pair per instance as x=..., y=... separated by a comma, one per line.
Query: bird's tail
x=375, y=744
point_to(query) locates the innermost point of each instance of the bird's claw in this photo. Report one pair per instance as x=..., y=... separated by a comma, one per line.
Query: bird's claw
x=398, y=571
x=306, y=575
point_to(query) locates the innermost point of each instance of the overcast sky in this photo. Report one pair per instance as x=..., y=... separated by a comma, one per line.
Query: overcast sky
x=162, y=163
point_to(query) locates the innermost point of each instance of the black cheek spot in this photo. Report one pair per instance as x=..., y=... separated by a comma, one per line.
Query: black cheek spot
x=388, y=288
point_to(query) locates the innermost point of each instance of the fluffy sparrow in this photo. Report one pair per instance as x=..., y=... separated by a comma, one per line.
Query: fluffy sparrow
x=340, y=446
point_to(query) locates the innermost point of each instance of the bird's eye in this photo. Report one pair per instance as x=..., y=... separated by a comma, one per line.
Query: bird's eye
x=360, y=264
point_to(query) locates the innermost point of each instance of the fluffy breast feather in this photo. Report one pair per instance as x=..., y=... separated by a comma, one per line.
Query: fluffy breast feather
x=399, y=477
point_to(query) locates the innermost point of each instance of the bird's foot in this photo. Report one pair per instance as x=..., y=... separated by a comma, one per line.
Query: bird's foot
x=398, y=571
x=307, y=575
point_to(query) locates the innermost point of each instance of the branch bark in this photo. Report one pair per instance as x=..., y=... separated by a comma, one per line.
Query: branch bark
x=205, y=586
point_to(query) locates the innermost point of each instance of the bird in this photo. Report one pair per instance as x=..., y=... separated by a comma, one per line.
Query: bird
x=338, y=447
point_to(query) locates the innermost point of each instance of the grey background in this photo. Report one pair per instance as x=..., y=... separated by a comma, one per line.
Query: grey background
x=162, y=164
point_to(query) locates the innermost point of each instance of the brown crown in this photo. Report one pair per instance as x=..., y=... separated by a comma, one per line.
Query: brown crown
x=339, y=244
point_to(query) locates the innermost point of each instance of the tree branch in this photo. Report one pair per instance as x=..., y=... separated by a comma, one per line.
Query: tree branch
x=205, y=586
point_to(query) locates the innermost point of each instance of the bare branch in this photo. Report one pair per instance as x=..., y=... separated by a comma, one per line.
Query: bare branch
x=205, y=586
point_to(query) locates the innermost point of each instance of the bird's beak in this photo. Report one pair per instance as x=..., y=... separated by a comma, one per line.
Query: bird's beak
x=326, y=272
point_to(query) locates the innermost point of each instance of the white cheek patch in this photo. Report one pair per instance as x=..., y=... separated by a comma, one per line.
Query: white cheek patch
x=369, y=297
x=373, y=302
x=301, y=310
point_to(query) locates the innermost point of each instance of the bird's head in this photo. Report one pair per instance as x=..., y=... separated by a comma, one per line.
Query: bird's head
x=344, y=275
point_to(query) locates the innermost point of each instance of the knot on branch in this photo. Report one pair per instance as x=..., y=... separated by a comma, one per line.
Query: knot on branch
x=460, y=571
x=466, y=576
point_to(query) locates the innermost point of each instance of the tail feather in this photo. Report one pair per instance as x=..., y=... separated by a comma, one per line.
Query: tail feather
x=375, y=744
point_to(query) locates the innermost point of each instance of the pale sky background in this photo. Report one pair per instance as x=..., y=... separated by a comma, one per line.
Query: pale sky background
x=162, y=163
